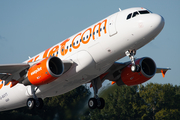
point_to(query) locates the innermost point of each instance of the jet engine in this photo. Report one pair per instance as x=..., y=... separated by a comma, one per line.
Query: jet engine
x=44, y=72
x=146, y=70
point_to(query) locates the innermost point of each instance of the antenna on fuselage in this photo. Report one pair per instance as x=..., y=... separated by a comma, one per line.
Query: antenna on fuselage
x=120, y=9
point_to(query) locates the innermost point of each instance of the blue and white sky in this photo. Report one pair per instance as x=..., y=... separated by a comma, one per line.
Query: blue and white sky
x=29, y=27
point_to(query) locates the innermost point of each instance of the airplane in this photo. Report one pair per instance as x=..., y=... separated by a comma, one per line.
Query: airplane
x=90, y=56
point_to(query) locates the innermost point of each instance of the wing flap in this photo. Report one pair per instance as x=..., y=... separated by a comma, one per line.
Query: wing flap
x=8, y=72
x=4, y=76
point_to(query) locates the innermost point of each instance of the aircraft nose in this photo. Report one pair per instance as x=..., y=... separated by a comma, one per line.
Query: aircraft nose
x=162, y=21
x=157, y=23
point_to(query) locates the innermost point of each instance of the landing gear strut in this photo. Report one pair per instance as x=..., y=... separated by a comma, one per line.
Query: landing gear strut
x=131, y=54
x=34, y=102
x=96, y=102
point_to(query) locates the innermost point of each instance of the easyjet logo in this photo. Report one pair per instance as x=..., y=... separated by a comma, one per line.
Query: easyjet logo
x=36, y=71
x=81, y=38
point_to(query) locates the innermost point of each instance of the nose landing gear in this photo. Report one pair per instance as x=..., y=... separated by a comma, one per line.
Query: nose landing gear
x=131, y=54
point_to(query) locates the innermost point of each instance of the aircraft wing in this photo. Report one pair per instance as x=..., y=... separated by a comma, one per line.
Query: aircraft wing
x=162, y=70
x=11, y=68
x=114, y=72
x=9, y=72
x=119, y=66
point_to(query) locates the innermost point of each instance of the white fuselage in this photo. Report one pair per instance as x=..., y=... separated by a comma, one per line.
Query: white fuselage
x=93, y=51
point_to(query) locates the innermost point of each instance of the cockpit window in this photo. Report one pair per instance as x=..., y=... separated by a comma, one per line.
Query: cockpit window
x=135, y=14
x=129, y=16
x=144, y=12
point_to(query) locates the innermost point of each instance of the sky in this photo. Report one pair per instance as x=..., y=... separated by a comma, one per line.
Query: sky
x=30, y=27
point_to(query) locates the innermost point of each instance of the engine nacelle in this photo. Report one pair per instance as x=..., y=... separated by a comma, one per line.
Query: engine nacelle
x=44, y=72
x=147, y=71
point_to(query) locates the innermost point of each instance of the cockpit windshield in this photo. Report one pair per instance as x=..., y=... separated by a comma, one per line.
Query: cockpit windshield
x=135, y=14
x=144, y=12
x=131, y=15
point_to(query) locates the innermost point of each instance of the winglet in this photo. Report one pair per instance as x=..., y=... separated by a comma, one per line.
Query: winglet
x=162, y=71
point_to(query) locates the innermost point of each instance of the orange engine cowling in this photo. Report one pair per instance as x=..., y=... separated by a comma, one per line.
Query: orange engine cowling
x=147, y=71
x=44, y=72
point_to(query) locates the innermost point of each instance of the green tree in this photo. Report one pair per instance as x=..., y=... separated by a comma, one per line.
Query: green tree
x=123, y=103
x=168, y=114
x=143, y=102
x=160, y=99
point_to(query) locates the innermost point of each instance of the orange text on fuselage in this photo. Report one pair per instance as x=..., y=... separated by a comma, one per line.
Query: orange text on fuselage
x=84, y=38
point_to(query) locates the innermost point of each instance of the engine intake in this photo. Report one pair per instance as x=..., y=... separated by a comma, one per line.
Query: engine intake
x=55, y=66
x=44, y=72
x=148, y=67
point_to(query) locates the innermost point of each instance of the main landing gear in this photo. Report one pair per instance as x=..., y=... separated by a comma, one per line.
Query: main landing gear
x=96, y=102
x=34, y=102
x=131, y=54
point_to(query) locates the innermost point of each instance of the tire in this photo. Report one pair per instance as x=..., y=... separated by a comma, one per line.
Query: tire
x=101, y=103
x=31, y=103
x=92, y=103
x=40, y=104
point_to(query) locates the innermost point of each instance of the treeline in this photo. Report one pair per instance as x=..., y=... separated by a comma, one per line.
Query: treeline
x=143, y=102
x=149, y=102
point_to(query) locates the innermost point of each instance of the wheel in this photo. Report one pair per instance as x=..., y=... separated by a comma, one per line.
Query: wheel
x=40, y=103
x=101, y=103
x=92, y=103
x=133, y=68
x=30, y=103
